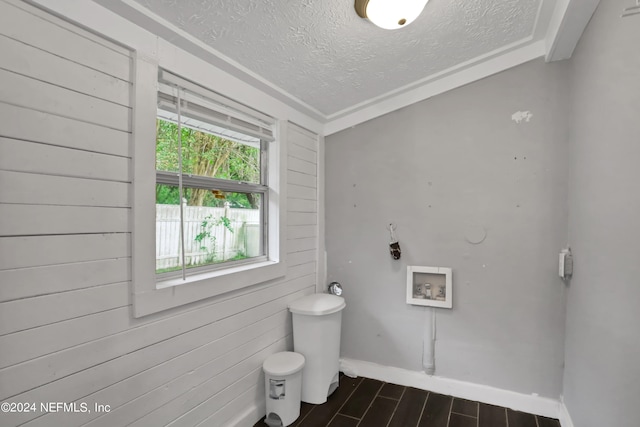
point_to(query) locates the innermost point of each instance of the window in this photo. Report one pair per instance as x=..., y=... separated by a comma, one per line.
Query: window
x=211, y=183
x=216, y=193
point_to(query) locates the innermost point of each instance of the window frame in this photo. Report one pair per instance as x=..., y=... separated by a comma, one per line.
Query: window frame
x=150, y=295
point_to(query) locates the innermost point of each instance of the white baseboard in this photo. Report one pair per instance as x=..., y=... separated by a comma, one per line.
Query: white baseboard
x=249, y=417
x=565, y=417
x=518, y=401
x=465, y=390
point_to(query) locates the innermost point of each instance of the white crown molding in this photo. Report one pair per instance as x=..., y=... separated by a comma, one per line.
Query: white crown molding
x=562, y=21
x=475, y=69
x=106, y=23
x=568, y=22
x=185, y=40
x=460, y=75
x=430, y=78
x=532, y=404
x=541, y=26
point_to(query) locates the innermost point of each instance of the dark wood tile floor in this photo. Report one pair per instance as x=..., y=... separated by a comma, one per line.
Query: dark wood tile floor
x=363, y=402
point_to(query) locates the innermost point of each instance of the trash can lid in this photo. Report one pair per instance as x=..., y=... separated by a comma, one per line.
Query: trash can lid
x=283, y=363
x=317, y=305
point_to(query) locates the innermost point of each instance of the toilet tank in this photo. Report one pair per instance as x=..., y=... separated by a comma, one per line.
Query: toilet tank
x=317, y=321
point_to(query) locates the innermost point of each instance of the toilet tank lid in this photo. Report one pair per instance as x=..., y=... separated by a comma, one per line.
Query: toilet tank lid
x=283, y=363
x=317, y=305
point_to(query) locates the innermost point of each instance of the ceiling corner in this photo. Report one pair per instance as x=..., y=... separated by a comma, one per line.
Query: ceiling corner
x=568, y=22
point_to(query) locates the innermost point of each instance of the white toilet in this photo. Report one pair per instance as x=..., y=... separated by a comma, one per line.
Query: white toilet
x=317, y=321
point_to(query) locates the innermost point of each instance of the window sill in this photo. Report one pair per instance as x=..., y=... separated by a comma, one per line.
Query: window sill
x=211, y=275
x=176, y=292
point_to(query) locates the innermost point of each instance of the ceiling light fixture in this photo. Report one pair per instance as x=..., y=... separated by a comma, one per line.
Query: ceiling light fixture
x=390, y=14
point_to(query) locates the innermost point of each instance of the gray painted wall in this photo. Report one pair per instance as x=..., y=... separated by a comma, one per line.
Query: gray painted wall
x=602, y=376
x=441, y=169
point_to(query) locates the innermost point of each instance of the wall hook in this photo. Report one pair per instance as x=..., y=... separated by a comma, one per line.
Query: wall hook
x=392, y=232
x=394, y=246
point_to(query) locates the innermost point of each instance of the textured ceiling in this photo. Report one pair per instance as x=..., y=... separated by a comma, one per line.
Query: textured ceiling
x=322, y=53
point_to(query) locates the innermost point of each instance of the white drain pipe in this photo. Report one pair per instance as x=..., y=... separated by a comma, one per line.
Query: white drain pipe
x=429, y=342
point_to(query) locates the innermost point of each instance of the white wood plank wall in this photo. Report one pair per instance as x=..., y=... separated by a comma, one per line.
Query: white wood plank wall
x=66, y=330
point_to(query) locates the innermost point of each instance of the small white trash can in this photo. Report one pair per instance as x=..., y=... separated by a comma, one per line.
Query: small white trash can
x=283, y=387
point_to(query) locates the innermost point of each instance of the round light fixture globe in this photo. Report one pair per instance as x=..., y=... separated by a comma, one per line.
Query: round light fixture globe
x=390, y=14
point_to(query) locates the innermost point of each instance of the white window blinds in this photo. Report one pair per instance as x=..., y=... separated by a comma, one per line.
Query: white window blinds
x=205, y=110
